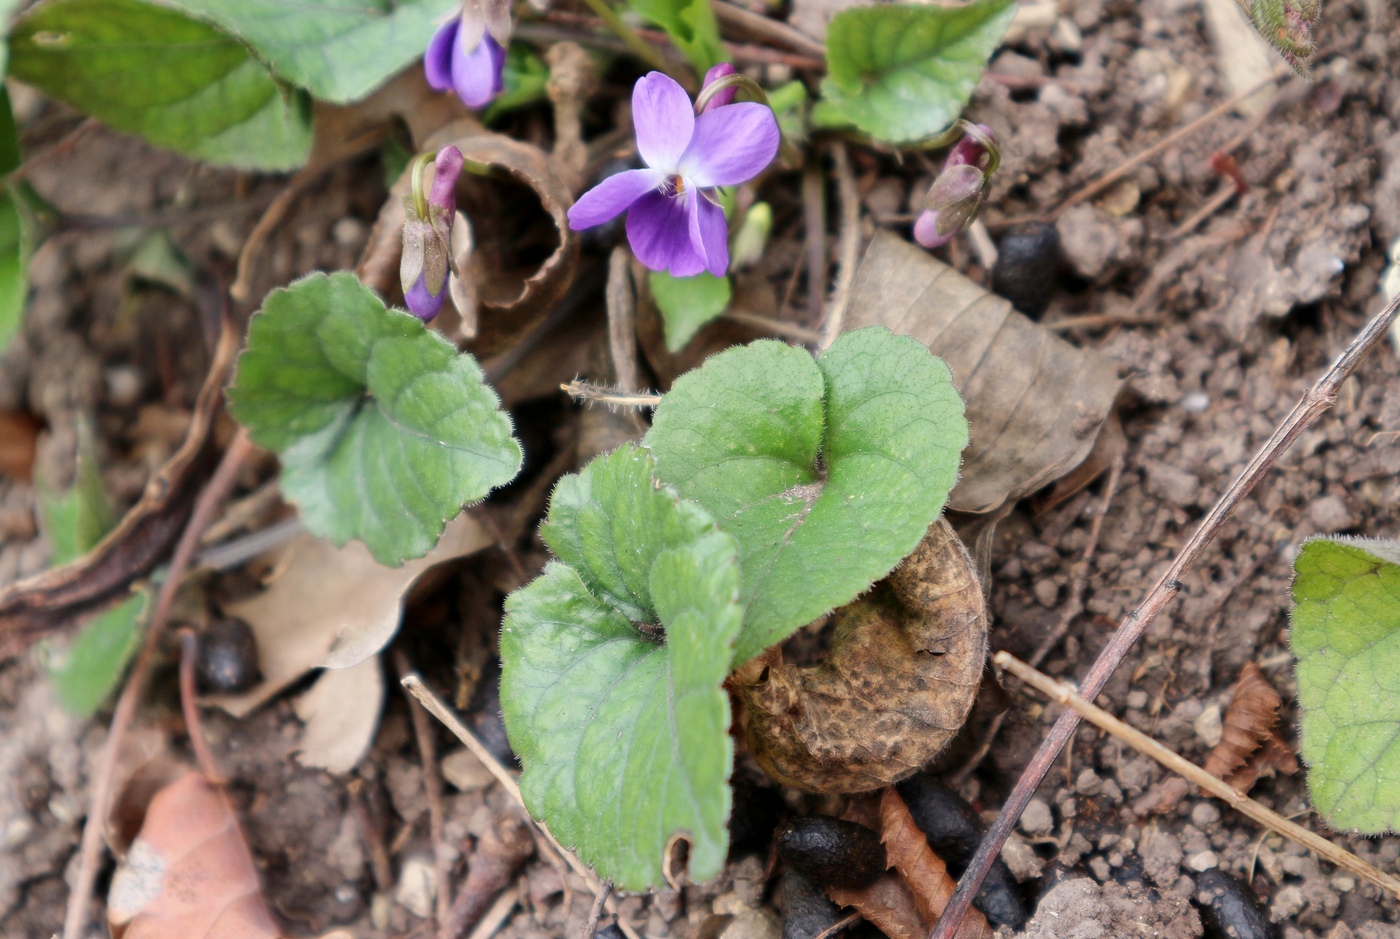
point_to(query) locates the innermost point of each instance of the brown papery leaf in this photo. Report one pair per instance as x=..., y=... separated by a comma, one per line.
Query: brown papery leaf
x=1248, y=722
x=887, y=903
x=189, y=874
x=1035, y=403
x=902, y=673
x=1275, y=754
x=923, y=871
x=33, y=606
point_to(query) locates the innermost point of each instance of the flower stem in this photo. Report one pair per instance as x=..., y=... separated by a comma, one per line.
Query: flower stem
x=639, y=46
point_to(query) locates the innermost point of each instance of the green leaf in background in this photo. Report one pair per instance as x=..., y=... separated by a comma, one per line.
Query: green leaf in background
x=153, y=71
x=86, y=672
x=384, y=430
x=902, y=73
x=339, y=50
x=827, y=473
x=1346, y=637
x=612, y=669
x=14, y=247
x=523, y=80
x=687, y=303
x=691, y=26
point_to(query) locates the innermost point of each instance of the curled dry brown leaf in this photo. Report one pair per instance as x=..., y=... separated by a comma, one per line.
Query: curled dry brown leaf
x=902, y=672
x=1035, y=403
x=524, y=290
x=924, y=872
x=31, y=607
x=1250, y=744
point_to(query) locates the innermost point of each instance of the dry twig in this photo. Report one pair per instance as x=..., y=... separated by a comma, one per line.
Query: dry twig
x=848, y=250
x=1318, y=399
x=1145, y=745
x=432, y=787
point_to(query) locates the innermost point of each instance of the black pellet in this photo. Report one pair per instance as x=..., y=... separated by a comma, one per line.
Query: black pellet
x=228, y=657
x=954, y=830
x=1029, y=266
x=831, y=852
x=1230, y=910
x=806, y=910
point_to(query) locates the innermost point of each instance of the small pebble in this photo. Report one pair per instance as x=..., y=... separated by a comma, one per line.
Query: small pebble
x=1194, y=402
x=349, y=232
x=1203, y=861
x=1137, y=699
x=1087, y=782
x=1343, y=884
x=1288, y=903
x=1099, y=868
x=1036, y=819
x=124, y=385
x=1047, y=592
x=1208, y=726
x=415, y=889
x=1204, y=815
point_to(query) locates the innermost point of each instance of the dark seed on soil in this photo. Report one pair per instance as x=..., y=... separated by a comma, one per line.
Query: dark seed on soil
x=1230, y=910
x=954, y=830
x=831, y=852
x=1028, y=267
x=228, y=657
x=609, y=931
x=806, y=910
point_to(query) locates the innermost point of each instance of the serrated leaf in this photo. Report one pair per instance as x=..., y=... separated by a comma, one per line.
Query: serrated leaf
x=691, y=26
x=687, y=303
x=902, y=73
x=154, y=71
x=86, y=673
x=1346, y=637
x=623, y=735
x=827, y=473
x=384, y=430
x=339, y=50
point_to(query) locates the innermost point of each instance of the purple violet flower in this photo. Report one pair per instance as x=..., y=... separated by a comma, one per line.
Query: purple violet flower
x=427, y=236
x=958, y=193
x=466, y=60
x=723, y=96
x=673, y=221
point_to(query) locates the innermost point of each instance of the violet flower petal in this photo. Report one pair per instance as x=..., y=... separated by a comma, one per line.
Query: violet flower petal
x=731, y=145
x=926, y=230
x=421, y=303
x=612, y=196
x=446, y=168
x=476, y=73
x=663, y=118
x=709, y=233
x=437, y=61
x=724, y=97
x=659, y=233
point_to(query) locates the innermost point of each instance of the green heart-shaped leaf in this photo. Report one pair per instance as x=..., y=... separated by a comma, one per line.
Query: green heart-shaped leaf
x=827, y=473
x=385, y=431
x=156, y=72
x=623, y=731
x=1346, y=636
x=902, y=73
x=687, y=303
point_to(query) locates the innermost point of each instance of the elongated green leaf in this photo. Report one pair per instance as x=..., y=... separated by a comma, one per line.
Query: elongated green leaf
x=623, y=733
x=76, y=520
x=826, y=472
x=86, y=673
x=156, y=72
x=1346, y=637
x=385, y=431
x=687, y=303
x=339, y=50
x=14, y=247
x=901, y=73
x=691, y=26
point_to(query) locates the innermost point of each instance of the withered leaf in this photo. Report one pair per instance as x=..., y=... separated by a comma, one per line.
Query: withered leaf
x=1249, y=743
x=902, y=672
x=35, y=605
x=1035, y=403
x=189, y=874
x=924, y=872
x=887, y=903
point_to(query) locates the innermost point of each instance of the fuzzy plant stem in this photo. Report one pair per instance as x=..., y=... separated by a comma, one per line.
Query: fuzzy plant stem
x=1317, y=401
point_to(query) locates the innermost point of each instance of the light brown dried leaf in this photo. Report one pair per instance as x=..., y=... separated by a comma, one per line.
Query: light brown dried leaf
x=189, y=874
x=887, y=903
x=1035, y=403
x=924, y=872
x=341, y=712
x=901, y=675
x=1275, y=754
x=1249, y=722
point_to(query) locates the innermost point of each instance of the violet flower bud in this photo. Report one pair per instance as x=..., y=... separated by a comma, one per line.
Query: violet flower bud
x=427, y=234
x=960, y=191
x=724, y=95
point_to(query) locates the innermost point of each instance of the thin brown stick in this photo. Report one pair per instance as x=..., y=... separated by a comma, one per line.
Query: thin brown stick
x=622, y=321
x=379, y=863
x=590, y=928
x=848, y=244
x=276, y=211
x=432, y=787
x=496, y=916
x=104, y=777
x=1145, y=745
x=1072, y=608
x=814, y=218
x=1142, y=156
x=506, y=778
x=1313, y=405
x=774, y=327
x=601, y=394
x=189, y=707
x=1225, y=194
x=763, y=27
